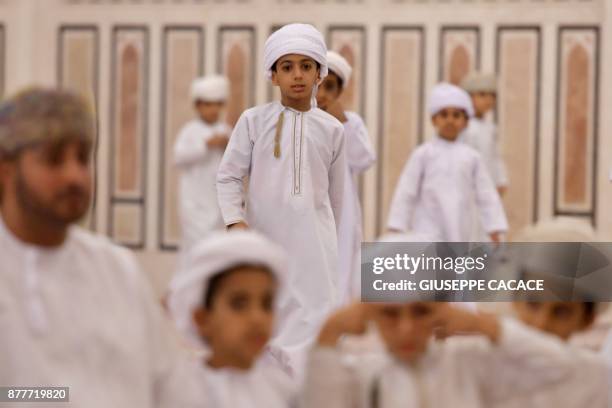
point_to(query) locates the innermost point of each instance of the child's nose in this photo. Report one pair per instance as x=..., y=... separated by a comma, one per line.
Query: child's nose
x=542, y=321
x=406, y=326
x=259, y=314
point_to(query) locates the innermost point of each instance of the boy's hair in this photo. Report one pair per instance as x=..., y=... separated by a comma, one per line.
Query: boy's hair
x=590, y=310
x=215, y=282
x=316, y=62
x=339, y=78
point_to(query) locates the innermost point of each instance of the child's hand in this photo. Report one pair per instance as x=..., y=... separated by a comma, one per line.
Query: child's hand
x=501, y=190
x=351, y=319
x=495, y=237
x=238, y=225
x=217, y=142
x=454, y=321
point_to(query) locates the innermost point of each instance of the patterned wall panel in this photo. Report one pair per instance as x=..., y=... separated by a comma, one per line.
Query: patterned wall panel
x=78, y=62
x=518, y=67
x=182, y=62
x=459, y=52
x=400, y=115
x=576, y=133
x=236, y=59
x=129, y=83
x=350, y=42
x=2, y=60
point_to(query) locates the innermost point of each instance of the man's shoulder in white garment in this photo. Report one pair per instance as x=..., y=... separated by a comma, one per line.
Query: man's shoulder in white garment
x=99, y=249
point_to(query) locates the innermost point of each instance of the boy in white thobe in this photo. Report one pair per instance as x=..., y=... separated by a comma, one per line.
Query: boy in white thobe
x=492, y=360
x=197, y=153
x=587, y=385
x=224, y=303
x=75, y=310
x=360, y=156
x=293, y=154
x=443, y=179
x=480, y=133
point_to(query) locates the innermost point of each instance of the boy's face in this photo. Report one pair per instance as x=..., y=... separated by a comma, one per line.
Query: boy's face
x=296, y=75
x=50, y=182
x=449, y=122
x=483, y=102
x=209, y=112
x=559, y=318
x=406, y=328
x=329, y=91
x=240, y=320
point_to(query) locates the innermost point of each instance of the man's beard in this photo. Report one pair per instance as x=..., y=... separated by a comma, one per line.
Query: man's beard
x=39, y=210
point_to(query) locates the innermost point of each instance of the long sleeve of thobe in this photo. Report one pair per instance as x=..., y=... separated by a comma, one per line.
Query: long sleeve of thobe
x=190, y=147
x=328, y=382
x=406, y=194
x=337, y=178
x=500, y=174
x=523, y=361
x=359, y=152
x=234, y=167
x=488, y=202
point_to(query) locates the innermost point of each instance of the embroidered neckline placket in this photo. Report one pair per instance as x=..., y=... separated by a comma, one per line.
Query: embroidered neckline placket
x=297, y=152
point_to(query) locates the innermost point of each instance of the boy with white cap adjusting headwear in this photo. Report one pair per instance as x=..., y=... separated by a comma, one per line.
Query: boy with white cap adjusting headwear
x=569, y=311
x=293, y=154
x=428, y=354
x=197, y=153
x=359, y=157
x=224, y=302
x=443, y=179
x=480, y=133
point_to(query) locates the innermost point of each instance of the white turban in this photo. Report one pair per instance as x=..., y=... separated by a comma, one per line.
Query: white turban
x=479, y=82
x=445, y=95
x=340, y=66
x=218, y=253
x=576, y=265
x=211, y=88
x=302, y=39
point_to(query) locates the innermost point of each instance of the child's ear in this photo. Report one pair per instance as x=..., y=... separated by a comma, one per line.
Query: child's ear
x=200, y=317
x=274, y=78
x=319, y=78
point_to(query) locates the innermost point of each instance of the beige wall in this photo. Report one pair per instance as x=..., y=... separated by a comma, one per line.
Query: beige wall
x=139, y=63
